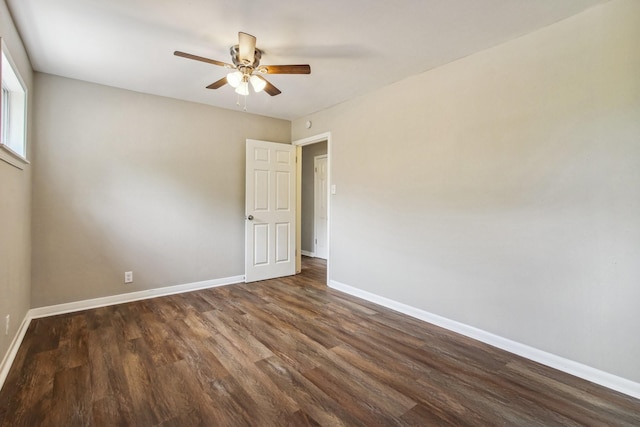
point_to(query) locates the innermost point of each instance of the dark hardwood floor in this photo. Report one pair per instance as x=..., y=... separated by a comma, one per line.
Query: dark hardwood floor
x=282, y=352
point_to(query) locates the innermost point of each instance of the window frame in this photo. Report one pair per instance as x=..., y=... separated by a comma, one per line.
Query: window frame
x=8, y=105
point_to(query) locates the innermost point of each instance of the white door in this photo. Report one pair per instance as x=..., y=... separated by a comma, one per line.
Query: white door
x=320, y=206
x=270, y=210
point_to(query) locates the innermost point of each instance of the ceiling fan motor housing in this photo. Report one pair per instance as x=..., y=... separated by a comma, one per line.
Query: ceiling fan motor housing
x=235, y=57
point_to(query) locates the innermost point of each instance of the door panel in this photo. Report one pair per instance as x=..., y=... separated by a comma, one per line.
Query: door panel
x=283, y=191
x=261, y=195
x=282, y=242
x=270, y=210
x=261, y=244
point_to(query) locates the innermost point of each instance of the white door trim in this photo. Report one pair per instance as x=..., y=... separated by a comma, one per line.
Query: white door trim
x=301, y=143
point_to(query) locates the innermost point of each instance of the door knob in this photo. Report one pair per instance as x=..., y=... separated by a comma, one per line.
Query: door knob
x=250, y=217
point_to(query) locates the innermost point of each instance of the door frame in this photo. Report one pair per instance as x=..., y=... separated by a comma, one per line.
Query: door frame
x=326, y=136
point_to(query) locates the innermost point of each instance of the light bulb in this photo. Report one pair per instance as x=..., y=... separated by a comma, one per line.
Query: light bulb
x=234, y=79
x=257, y=83
x=243, y=88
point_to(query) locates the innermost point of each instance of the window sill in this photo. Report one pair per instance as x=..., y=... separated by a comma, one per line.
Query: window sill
x=9, y=156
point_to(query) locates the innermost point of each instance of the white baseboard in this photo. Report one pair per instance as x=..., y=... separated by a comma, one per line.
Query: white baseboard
x=70, y=307
x=9, y=357
x=588, y=373
x=307, y=253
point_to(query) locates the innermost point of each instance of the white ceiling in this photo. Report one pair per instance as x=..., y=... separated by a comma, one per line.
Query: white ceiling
x=353, y=46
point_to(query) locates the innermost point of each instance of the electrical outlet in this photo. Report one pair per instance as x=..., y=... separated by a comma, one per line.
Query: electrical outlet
x=128, y=277
x=7, y=321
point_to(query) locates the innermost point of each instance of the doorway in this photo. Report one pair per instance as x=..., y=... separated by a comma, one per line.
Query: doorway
x=311, y=194
x=314, y=219
x=320, y=211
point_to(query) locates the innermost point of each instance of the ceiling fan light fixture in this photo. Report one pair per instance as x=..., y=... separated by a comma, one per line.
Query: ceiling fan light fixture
x=243, y=88
x=257, y=83
x=246, y=68
x=234, y=79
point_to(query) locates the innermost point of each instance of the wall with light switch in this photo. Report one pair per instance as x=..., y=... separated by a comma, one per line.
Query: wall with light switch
x=501, y=190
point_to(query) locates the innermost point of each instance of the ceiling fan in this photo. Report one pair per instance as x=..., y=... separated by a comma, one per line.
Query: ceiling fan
x=246, y=61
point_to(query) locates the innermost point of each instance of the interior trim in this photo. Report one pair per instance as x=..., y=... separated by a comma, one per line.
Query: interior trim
x=71, y=307
x=577, y=369
x=53, y=310
x=9, y=357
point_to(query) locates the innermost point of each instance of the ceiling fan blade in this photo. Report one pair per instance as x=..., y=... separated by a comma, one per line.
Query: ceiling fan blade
x=286, y=69
x=218, y=84
x=269, y=88
x=247, y=46
x=202, y=59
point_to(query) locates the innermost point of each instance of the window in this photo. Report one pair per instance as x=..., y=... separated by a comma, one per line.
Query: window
x=13, y=109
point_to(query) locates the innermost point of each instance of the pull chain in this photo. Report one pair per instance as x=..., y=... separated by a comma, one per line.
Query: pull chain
x=245, y=102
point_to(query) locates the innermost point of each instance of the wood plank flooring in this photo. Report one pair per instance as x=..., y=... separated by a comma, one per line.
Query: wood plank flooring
x=282, y=352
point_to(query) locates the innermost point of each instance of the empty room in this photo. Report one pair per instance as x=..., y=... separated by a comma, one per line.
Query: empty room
x=285, y=213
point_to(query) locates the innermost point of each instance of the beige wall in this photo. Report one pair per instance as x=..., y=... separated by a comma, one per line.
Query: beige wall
x=133, y=182
x=15, y=208
x=503, y=190
x=308, y=193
